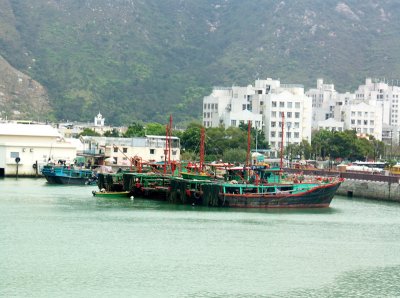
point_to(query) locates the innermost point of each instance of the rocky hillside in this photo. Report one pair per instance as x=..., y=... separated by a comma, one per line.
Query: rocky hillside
x=21, y=97
x=142, y=60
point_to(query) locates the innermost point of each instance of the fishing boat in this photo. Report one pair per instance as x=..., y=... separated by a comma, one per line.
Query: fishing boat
x=147, y=185
x=292, y=195
x=61, y=174
x=256, y=186
x=110, y=194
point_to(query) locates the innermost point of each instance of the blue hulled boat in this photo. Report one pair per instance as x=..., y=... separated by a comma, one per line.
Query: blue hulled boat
x=68, y=175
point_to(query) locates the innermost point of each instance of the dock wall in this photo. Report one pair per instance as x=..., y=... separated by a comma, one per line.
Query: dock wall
x=363, y=185
x=376, y=190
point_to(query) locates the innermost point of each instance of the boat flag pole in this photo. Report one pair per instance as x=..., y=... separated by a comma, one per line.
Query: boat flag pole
x=248, y=149
x=283, y=130
x=202, y=149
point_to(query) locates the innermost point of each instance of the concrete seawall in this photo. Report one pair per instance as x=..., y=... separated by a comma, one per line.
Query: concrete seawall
x=376, y=190
x=359, y=184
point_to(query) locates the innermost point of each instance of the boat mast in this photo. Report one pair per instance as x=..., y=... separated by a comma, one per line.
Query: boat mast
x=248, y=148
x=201, y=149
x=168, y=129
x=283, y=130
x=169, y=139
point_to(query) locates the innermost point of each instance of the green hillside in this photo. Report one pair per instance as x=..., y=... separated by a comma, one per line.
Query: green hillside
x=143, y=60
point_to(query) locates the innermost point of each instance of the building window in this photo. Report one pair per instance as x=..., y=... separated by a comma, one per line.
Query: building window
x=289, y=104
x=359, y=114
x=297, y=105
x=233, y=122
x=289, y=114
x=204, y=115
x=124, y=150
x=353, y=114
x=281, y=104
x=273, y=134
x=273, y=104
x=216, y=106
x=296, y=125
x=273, y=114
x=174, y=152
x=243, y=107
x=371, y=122
x=358, y=122
x=297, y=115
x=353, y=121
x=212, y=106
x=205, y=106
x=115, y=149
x=365, y=122
x=14, y=154
x=152, y=151
x=296, y=135
x=273, y=124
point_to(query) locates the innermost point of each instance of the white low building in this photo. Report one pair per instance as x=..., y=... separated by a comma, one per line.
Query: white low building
x=32, y=146
x=120, y=151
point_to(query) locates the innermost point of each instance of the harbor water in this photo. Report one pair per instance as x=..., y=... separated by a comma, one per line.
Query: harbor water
x=60, y=241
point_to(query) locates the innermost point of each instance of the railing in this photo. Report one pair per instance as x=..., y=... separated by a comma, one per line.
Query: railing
x=346, y=175
x=93, y=151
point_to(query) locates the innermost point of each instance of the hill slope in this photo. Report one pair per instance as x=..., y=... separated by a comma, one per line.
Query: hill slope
x=134, y=59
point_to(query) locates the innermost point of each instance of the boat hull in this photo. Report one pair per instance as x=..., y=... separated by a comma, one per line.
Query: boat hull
x=317, y=197
x=111, y=194
x=61, y=175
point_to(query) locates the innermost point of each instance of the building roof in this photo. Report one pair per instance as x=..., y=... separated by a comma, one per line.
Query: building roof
x=33, y=130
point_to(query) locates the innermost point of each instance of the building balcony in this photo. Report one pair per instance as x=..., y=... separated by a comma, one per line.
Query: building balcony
x=93, y=152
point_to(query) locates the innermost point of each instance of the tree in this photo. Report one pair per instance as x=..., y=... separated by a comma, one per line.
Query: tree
x=135, y=130
x=155, y=129
x=190, y=138
x=89, y=132
x=112, y=133
x=256, y=135
x=234, y=155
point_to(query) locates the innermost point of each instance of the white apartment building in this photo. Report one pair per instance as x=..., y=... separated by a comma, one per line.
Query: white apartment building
x=383, y=95
x=323, y=102
x=262, y=104
x=296, y=107
x=230, y=107
x=364, y=118
x=331, y=124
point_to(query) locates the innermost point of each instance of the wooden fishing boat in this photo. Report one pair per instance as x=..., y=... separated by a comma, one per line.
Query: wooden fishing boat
x=147, y=185
x=292, y=195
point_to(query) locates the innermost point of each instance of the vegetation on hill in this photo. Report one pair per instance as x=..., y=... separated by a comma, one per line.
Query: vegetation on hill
x=143, y=60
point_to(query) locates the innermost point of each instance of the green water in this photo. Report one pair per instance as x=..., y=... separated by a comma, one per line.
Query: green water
x=59, y=241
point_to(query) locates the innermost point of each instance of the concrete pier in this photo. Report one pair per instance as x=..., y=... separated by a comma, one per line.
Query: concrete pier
x=376, y=190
